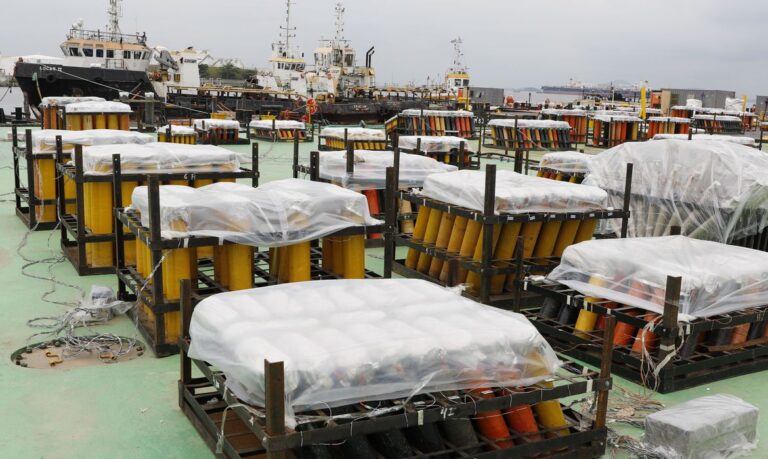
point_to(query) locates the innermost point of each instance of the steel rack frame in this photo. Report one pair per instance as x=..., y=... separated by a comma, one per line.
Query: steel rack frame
x=454, y=155
x=400, y=127
x=133, y=286
x=521, y=156
x=382, y=145
x=309, y=134
x=75, y=235
x=251, y=431
x=25, y=197
x=488, y=267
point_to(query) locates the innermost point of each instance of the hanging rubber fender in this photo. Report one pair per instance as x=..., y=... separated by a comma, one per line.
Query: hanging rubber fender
x=51, y=78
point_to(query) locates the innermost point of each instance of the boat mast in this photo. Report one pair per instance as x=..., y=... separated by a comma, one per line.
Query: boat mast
x=458, y=65
x=115, y=11
x=339, y=22
x=287, y=28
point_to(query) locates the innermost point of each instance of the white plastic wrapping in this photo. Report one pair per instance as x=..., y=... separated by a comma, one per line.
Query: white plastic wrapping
x=564, y=112
x=159, y=157
x=716, y=278
x=713, y=190
x=669, y=119
x=347, y=341
x=515, y=193
x=433, y=143
x=354, y=133
x=713, y=427
x=44, y=141
x=62, y=101
x=277, y=213
x=617, y=118
x=733, y=104
x=740, y=139
x=700, y=116
x=371, y=169
x=446, y=113
x=693, y=103
x=534, y=124
x=97, y=107
x=566, y=161
x=278, y=124
x=177, y=130
x=209, y=123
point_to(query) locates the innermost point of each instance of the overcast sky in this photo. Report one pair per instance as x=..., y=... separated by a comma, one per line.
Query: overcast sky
x=711, y=44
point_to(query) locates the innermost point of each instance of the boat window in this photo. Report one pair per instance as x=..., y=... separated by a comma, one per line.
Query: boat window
x=466, y=82
x=144, y=55
x=457, y=82
x=126, y=54
x=349, y=60
x=110, y=54
x=74, y=52
x=137, y=55
x=301, y=67
x=88, y=52
x=99, y=53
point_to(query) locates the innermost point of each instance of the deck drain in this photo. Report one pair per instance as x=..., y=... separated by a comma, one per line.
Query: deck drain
x=53, y=356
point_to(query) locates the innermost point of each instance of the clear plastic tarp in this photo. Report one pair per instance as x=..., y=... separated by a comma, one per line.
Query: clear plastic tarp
x=211, y=123
x=97, y=107
x=177, y=130
x=62, y=101
x=563, y=112
x=713, y=190
x=370, y=169
x=447, y=113
x=617, y=118
x=354, y=133
x=700, y=116
x=280, y=212
x=716, y=278
x=718, y=426
x=348, y=341
x=692, y=103
x=733, y=104
x=44, y=141
x=515, y=193
x=432, y=143
x=668, y=119
x=740, y=139
x=534, y=124
x=566, y=161
x=159, y=157
x=277, y=124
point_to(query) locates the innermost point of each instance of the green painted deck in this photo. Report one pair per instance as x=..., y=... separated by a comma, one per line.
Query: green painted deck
x=130, y=409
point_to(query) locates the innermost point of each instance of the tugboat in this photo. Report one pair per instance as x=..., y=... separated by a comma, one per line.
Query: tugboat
x=96, y=63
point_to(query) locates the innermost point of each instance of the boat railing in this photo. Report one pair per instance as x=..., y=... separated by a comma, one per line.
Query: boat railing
x=99, y=35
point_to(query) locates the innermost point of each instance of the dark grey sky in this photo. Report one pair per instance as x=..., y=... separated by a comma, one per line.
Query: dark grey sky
x=508, y=43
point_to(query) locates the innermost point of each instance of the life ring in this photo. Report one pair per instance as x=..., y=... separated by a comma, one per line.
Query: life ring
x=311, y=106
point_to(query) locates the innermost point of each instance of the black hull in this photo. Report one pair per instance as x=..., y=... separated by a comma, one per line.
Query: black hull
x=59, y=80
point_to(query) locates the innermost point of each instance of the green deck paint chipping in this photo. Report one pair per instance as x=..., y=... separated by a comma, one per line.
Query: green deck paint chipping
x=130, y=409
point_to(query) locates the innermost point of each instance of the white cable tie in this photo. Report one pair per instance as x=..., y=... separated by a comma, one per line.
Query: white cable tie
x=186, y=242
x=667, y=347
x=589, y=385
x=420, y=417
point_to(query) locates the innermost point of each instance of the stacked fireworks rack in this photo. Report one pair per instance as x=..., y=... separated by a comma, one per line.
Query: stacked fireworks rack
x=610, y=130
x=83, y=116
x=655, y=350
x=455, y=123
x=718, y=124
x=577, y=119
x=682, y=111
x=35, y=203
x=162, y=263
x=448, y=150
x=280, y=130
x=361, y=139
x=213, y=131
x=52, y=109
x=90, y=246
x=523, y=136
x=667, y=125
x=488, y=247
x=565, y=166
x=247, y=431
x=177, y=133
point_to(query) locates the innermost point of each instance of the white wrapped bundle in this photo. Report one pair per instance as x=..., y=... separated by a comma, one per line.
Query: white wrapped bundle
x=62, y=101
x=354, y=133
x=44, y=141
x=713, y=190
x=97, y=107
x=210, y=123
x=668, y=119
x=711, y=117
x=448, y=113
x=732, y=104
x=177, y=130
x=278, y=124
x=277, y=213
x=533, y=124
x=433, y=143
x=159, y=157
x=564, y=112
x=692, y=103
x=515, y=193
x=371, y=169
x=346, y=341
x=618, y=118
x=741, y=140
x=566, y=161
x=716, y=278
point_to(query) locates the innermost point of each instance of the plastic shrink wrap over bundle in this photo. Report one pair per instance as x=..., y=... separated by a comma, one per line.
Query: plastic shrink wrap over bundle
x=210, y=123
x=371, y=167
x=713, y=190
x=44, y=141
x=177, y=129
x=716, y=278
x=346, y=341
x=97, y=107
x=419, y=112
x=277, y=124
x=515, y=193
x=355, y=133
x=159, y=157
x=62, y=101
x=566, y=161
x=534, y=124
x=742, y=140
x=432, y=143
x=714, y=427
x=277, y=213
